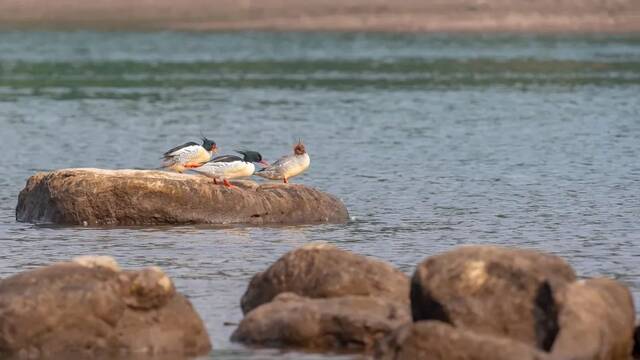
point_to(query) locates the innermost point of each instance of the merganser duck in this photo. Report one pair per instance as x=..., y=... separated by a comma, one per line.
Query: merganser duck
x=287, y=166
x=189, y=155
x=230, y=166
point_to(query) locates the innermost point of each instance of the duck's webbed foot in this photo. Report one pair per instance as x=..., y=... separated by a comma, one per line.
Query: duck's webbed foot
x=227, y=184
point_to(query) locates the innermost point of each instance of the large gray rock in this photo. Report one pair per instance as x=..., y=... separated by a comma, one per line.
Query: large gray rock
x=492, y=290
x=323, y=271
x=347, y=323
x=90, y=308
x=137, y=197
x=596, y=321
x=435, y=340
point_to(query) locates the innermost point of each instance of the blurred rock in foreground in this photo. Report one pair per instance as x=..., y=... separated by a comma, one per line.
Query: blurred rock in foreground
x=338, y=323
x=319, y=270
x=471, y=303
x=435, y=340
x=321, y=298
x=492, y=290
x=91, y=308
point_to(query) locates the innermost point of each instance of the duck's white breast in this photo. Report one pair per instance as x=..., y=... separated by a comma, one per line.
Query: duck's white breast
x=202, y=155
x=300, y=164
x=230, y=170
x=241, y=170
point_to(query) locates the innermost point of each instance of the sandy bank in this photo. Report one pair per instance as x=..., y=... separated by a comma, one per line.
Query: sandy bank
x=546, y=16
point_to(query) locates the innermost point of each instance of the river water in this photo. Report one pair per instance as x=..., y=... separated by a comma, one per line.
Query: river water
x=432, y=141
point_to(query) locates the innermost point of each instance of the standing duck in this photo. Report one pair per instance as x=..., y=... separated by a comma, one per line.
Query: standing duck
x=287, y=166
x=189, y=155
x=230, y=166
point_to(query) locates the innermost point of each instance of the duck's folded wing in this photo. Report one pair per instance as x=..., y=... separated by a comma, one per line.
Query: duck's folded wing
x=279, y=164
x=226, y=158
x=178, y=151
x=220, y=168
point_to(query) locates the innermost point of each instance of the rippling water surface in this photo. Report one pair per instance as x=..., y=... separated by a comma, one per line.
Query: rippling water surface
x=431, y=141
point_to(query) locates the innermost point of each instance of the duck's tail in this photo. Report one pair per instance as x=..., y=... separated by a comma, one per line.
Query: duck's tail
x=260, y=173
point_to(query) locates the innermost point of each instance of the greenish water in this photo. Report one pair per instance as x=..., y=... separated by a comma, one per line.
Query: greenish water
x=339, y=62
x=432, y=141
x=339, y=74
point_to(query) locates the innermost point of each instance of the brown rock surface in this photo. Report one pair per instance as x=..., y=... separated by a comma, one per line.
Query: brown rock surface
x=435, y=340
x=347, y=323
x=636, y=345
x=144, y=197
x=492, y=290
x=90, y=308
x=596, y=321
x=323, y=271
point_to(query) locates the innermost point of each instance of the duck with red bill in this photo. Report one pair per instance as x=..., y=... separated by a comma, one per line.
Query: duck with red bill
x=288, y=166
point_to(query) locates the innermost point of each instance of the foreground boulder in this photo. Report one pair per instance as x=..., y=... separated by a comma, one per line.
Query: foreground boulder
x=90, y=308
x=636, y=345
x=492, y=290
x=321, y=298
x=141, y=197
x=596, y=321
x=347, y=323
x=435, y=340
x=324, y=271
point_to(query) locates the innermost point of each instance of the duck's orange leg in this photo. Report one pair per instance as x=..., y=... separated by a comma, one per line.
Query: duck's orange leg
x=227, y=183
x=192, y=165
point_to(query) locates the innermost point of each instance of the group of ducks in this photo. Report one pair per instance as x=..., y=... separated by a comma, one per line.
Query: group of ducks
x=192, y=156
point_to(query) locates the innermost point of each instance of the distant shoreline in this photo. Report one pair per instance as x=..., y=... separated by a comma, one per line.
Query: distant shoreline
x=457, y=16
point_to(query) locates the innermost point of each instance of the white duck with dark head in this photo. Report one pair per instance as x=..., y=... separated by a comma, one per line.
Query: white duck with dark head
x=288, y=166
x=231, y=167
x=189, y=155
